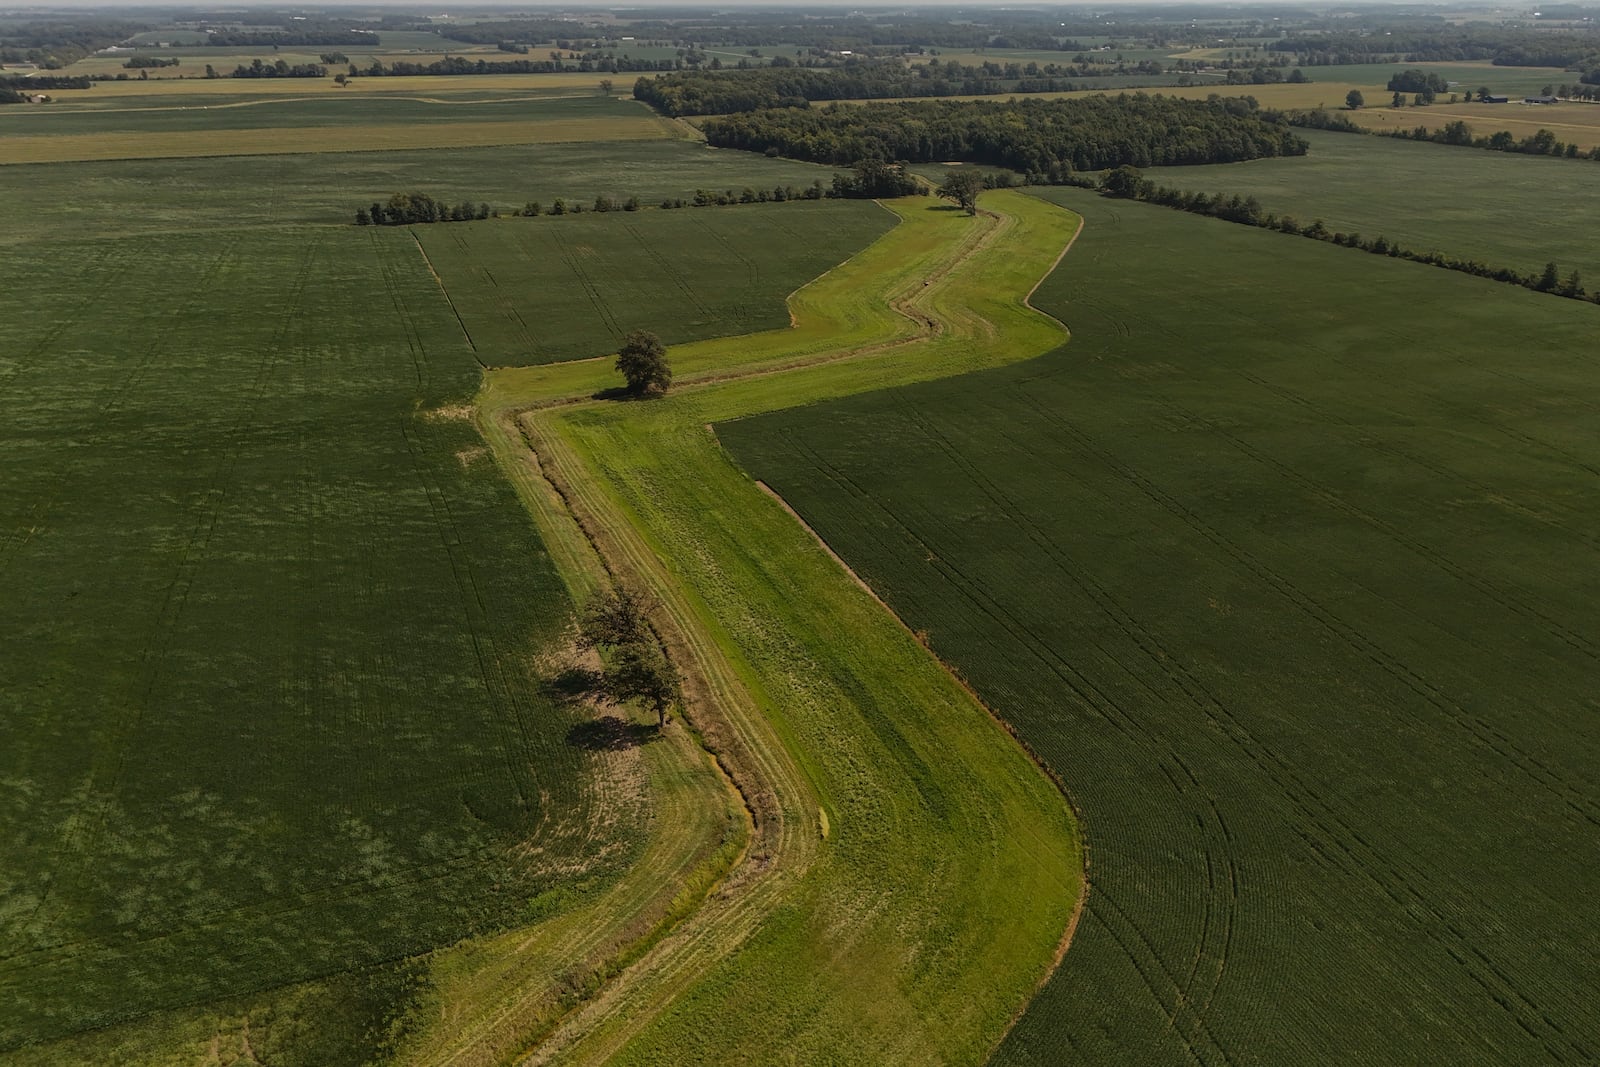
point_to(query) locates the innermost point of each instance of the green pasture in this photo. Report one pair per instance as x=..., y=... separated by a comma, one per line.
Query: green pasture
x=1282, y=565
x=548, y=288
x=106, y=199
x=1466, y=202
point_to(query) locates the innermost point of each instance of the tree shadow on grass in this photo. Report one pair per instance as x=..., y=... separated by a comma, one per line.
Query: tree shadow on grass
x=609, y=733
x=623, y=394
x=572, y=685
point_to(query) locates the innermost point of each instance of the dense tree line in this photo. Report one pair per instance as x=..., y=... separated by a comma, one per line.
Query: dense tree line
x=1504, y=47
x=1128, y=183
x=149, y=63
x=45, y=81
x=788, y=84
x=1416, y=81
x=279, y=69
x=458, y=65
x=409, y=209
x=53, y=45
x=1044, y=139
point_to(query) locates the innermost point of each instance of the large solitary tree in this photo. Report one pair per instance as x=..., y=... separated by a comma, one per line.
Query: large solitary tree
x=963, y=186
x=617, y=625
x=642, y=362
x=1354, y=100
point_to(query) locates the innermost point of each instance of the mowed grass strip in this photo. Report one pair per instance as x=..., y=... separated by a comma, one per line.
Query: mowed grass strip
x=373, y=137
x=1288, y=571
x=914, y=925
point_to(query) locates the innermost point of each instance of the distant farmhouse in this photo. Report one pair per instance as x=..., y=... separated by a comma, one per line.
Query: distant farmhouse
x=1496, y=99
x=1541, y=100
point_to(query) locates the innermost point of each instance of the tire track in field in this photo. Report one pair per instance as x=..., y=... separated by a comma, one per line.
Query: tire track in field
x=1307, y=796
x=1362, y=859
x=596, y=300
x=1498, y=742
x=475, y=613
x=1505, y=598
x=1467, y=415
x=391, y=282
x=1164, y=984
x=1354, y=434
x=752, y=269
x=444, y=290
x=668, y=269
x=1216, y=923
x=108, y=265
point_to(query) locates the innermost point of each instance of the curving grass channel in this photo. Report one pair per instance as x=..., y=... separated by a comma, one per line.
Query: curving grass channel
x=905, y=873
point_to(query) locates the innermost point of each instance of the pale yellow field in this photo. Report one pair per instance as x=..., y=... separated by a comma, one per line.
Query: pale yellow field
x=1571, y=123
x=78, y=147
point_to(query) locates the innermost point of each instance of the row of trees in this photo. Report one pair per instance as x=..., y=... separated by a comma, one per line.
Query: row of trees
x=409, y=209
x=45, y=81
x=560, y=206
x=1129, y=183
x=869, y=179
x=1416, y=81
x=277, y=69
x=459, y=65
x=783, y=84
x=1036, y=137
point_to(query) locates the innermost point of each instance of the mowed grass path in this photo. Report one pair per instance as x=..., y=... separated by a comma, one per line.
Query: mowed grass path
x=911, y=872
x=1286, y=564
